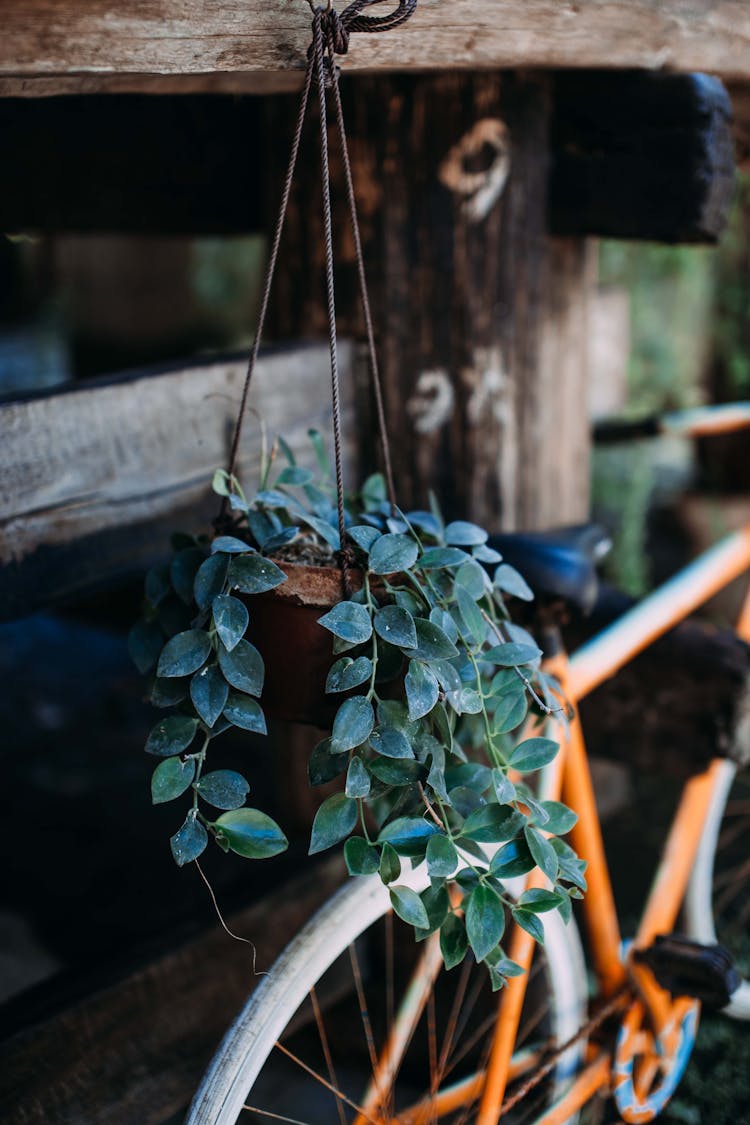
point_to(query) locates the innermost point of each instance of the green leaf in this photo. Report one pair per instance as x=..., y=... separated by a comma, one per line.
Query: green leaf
x=472, y=775
x=357, y=779
x=348, y=620
x=528, y=921
x=347, y=673
x=510, y=712
x=353, y=723
x=538, y=900
x=442, y=857
x=463, y=534
x=243, y=667
x=390, y=864
x=209, y=693
x=323, y=766
x=184, y=653
x=392, y=553
x=182, y=572
x=225, y=789
x=246, y=713
x=374, y=491
x=170, y=779
x=231, y=620
x=511, y=582
x=432, y=642
x=395, y=771
x=360, y=857
x=295, y=475
x=512, y=654
x=533, y=754
x=334, y=820
x=327, y=532
x=471, y=615
x=253, y=574
x=396, y=626
x=408, y=834
x=321, y=454
x=171, y=735
x=391, y=743
x=474, y=579
x=439, y=558
x=231, y=545
x=220, y=482
x=493, y=824
x=189, y=842
x=422, y=690
x=157, y=585
x=571, y=867
x=544, y=854
x=363, y=535
x=505, y=790
x=561, y=818
x=453, y=943
x=210, y=579
x=485, y=921
x=409, y=906
x=167, y=693
x=511, y=860
x=437, y=904
x=145, y=642
x=250, y=833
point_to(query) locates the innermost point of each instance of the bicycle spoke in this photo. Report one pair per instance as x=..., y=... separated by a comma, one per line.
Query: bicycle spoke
x=324, y=1082
x=326, y=1051
x=410, y=1011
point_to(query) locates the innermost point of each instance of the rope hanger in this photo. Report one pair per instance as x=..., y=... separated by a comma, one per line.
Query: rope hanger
x=330, y=37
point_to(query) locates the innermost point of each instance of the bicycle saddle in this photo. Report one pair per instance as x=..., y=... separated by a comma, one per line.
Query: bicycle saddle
x=560, y=563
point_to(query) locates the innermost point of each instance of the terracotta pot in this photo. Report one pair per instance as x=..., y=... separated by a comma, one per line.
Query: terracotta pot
x=296, y=650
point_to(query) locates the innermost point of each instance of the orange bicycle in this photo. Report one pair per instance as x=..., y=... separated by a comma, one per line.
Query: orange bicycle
x=355, y=1023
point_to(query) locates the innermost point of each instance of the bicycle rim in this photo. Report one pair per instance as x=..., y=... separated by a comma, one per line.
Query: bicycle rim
x=307, y=1043
x=717, y=904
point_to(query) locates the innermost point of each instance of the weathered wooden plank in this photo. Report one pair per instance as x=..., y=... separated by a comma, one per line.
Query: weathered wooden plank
x=631, y=154
x=638, y=155
x=53, y=46
x=92, y=479
x=134, y=1052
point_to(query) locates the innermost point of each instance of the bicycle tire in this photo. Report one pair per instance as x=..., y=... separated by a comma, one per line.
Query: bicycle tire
x=717, y=903
x=248, y=1052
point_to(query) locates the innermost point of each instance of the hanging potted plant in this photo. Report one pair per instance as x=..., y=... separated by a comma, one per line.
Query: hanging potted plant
x=391, y=629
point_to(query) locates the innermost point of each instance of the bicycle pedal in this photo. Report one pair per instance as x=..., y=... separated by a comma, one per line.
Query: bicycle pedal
x=687, y=968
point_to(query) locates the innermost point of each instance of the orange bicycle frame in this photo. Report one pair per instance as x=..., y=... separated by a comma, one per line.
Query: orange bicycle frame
x=570, y=781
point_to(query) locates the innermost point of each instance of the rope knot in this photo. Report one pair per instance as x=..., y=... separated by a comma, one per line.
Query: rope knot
x=335, y=32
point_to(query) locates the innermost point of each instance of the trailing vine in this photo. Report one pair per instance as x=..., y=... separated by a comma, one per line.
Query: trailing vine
x=435, y=682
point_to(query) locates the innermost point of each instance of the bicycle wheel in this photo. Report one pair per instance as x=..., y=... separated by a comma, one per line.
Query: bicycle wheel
x=306, y=1044
x=717, y=904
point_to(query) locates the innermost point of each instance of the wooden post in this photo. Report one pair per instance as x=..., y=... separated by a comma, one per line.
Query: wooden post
x=480, y=316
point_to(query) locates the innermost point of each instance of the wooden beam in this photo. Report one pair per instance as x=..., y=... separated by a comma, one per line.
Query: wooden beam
x=62, y=46
x=135, y=1052
x=129, y=164
x=481, y=317
x=93, y=479
x=632, y=154
x=639, y=155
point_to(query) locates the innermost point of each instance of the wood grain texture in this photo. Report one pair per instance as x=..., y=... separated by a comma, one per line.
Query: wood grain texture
x=134, y=1053
x=61, y=45
x=93, y=479
x=481, y=317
